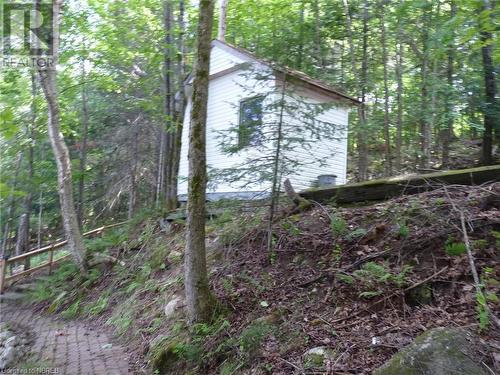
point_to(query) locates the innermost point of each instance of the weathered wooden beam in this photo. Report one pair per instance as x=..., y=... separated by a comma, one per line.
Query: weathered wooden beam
x=388, y=188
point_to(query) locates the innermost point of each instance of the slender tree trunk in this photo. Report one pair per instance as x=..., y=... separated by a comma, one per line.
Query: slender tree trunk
x=300, y=52
x=48, y=80
x=387, y=146
x=134, y=147
x=23, y=233
x=318, y=50
x=83, y=150
x=199, y=300
x=170, y=189
x=448, y=134
x=160, y=178
x=491, y=111
x=425, y=127
x=221, y=34
x=361, y=84
x=11, y=206
x=276, y=169
x=399, y=98
x=40, y=211
x=181, y=103
x=363, y=147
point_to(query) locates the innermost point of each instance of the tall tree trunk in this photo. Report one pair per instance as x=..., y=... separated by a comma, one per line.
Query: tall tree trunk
x=180, y=103
x=425, y=126
x=491, y=111
x=23, y=233
x=11, y=206
x=387, y=146
x=170, y=190
x=300, y=52
x=83, y=149
x=447, y=134
x=199, y=300
x=221, y=34
x=40, y=211
x=318, y=50
x=361, y=85
x=133, y=162
x=399, y=96
x=48, y=80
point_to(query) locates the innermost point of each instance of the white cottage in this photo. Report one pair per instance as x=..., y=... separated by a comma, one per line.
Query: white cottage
x=240, y=86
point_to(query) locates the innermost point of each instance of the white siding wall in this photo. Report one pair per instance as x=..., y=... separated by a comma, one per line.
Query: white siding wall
x=225, y=93
x=331, y=152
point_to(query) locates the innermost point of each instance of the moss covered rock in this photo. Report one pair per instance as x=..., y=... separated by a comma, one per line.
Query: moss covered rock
x=439, y=351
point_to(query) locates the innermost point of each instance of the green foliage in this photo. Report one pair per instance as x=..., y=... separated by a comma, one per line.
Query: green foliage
x=356, y=233
x=370, y=294
x=403, y=231
x=337, y=254
x=338, y=226
x=373, y=275
x=252, y=336
x=99, y=306
x=72, y=311
x=455, y=248
x=348, y=279
x=112, y=238
x=496, y=235
x=482, y=310
x=55, y=284
x=122, y=318
x=291, y=228
x=93, y=275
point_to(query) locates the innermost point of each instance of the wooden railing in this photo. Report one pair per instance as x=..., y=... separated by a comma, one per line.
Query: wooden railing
x=50, y=263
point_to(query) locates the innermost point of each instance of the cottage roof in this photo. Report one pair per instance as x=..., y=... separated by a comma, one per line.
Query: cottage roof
x=300, y=76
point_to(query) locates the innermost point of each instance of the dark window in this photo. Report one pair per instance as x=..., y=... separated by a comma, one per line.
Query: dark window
x=250, y=126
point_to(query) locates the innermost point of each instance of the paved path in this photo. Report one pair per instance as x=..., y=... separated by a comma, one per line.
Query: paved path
x=68, y=348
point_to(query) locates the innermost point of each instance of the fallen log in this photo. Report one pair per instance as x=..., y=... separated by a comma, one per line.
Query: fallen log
x=392, y=187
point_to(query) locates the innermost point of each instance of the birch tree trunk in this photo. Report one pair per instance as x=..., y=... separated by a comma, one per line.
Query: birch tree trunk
x=48, y=81
x=221, y=34
x=199, y=300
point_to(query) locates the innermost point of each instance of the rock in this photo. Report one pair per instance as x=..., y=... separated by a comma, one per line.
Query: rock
x=7, y=357
x=11, y=341
x=439, y=351
x=172, y=306
x=317, y=357
x=5, y=335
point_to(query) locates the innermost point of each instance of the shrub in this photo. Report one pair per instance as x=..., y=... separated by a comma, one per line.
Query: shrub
x=455, y=248
x=338, y=226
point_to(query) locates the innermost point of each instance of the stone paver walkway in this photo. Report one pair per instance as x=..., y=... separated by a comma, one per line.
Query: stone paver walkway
x=66, y=347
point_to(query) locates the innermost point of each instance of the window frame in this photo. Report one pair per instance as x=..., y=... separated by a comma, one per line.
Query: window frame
x=245, y=140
